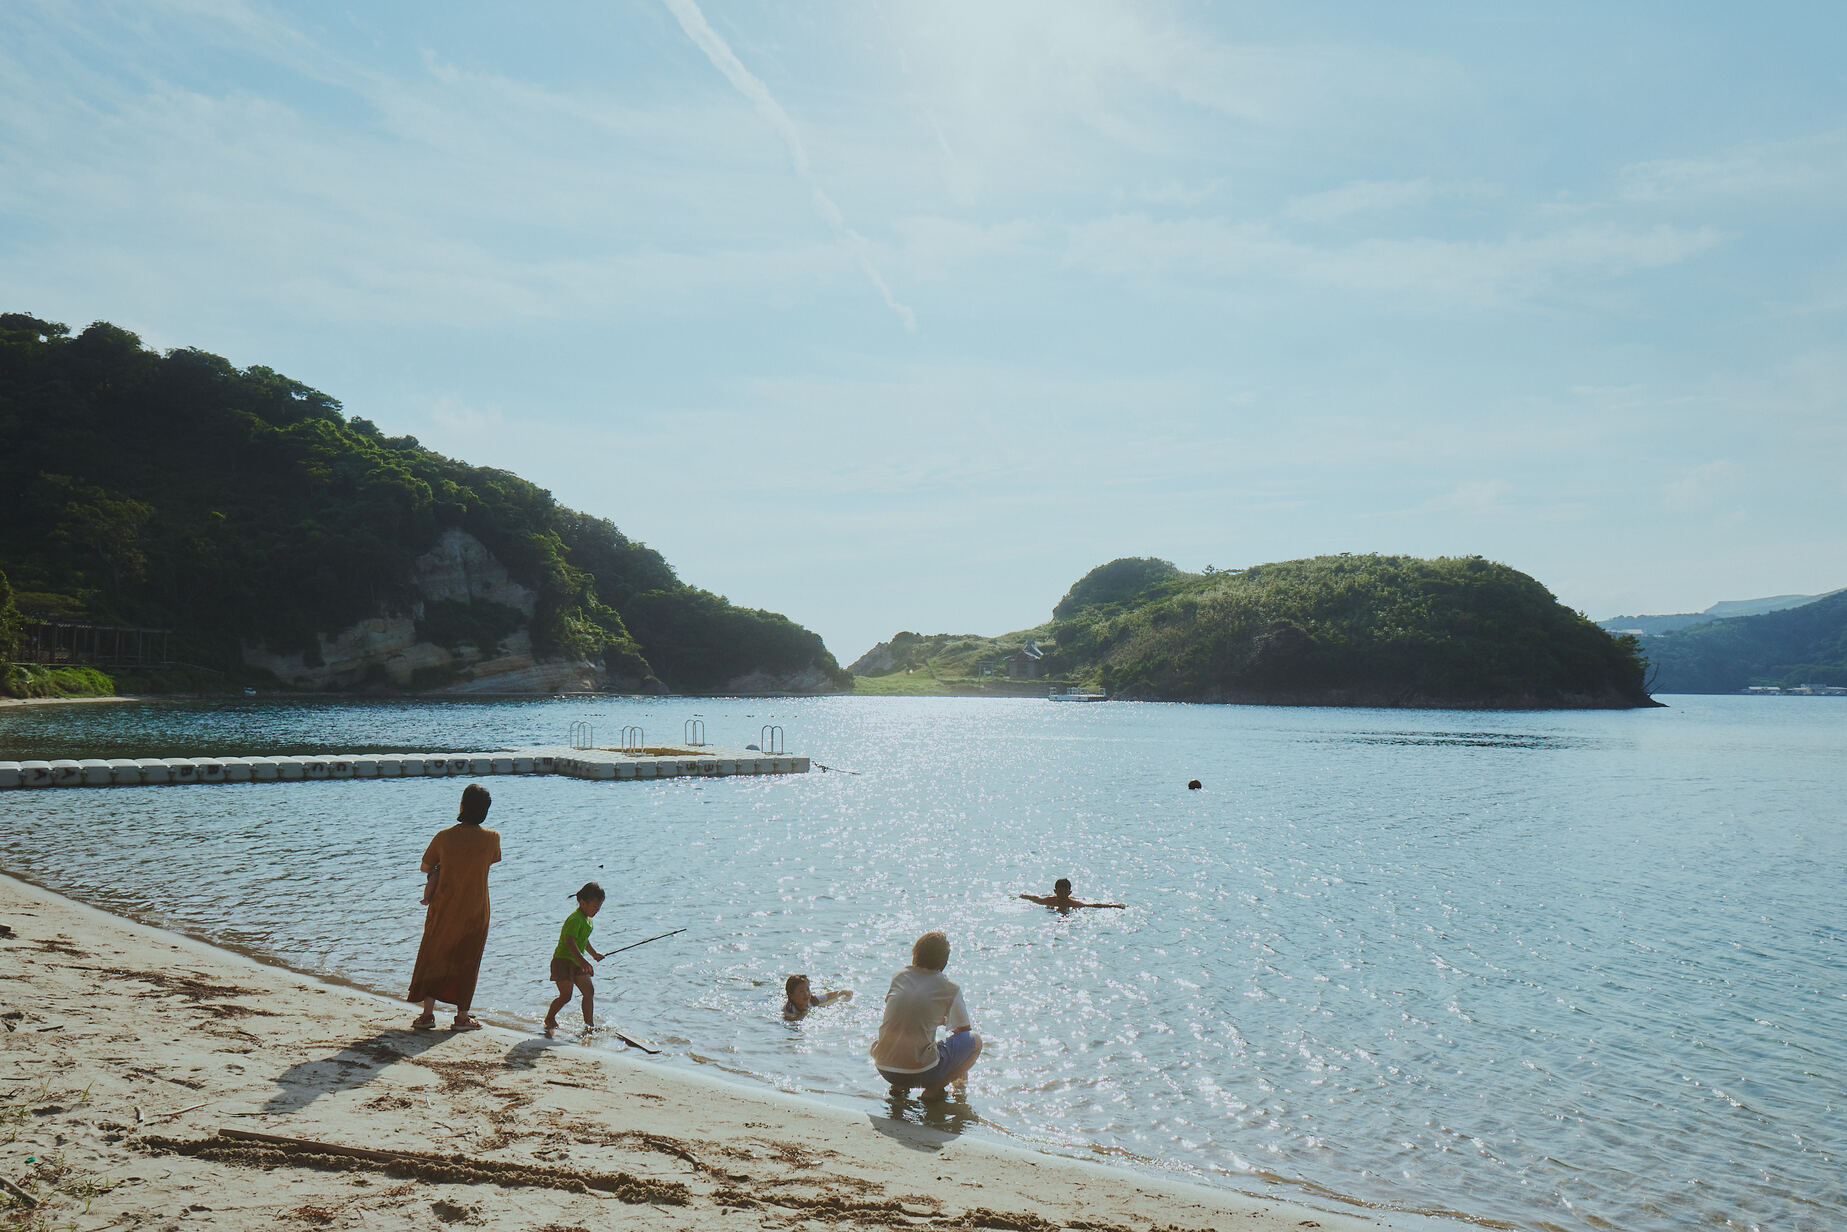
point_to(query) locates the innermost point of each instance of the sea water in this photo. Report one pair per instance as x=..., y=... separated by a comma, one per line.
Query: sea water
x=1563, y=970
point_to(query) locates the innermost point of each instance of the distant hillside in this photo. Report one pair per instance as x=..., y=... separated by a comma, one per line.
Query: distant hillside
x=1332, y=630
x=1798, y=645
x=1650, y=626
x=287, y=545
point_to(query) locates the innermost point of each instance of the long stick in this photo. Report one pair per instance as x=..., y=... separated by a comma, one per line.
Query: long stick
x=632, y=945
x=19, y=1194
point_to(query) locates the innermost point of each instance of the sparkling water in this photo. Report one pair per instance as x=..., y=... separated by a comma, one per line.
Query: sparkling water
x=1564, y=970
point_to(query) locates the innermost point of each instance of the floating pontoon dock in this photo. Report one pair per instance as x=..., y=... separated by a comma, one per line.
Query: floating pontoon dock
x=578, y=762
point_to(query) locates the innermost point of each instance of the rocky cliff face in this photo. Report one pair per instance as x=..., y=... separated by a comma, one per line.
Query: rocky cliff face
x=811, y=679
x=875, y=662
x=386, y=649
x=460, y=568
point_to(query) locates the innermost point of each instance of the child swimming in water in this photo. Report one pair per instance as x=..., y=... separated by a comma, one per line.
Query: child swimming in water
x=1060, y=897
x=801, y=998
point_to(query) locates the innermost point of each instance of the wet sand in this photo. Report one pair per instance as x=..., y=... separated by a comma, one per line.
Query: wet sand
x=151, y=1081
x=64, y=701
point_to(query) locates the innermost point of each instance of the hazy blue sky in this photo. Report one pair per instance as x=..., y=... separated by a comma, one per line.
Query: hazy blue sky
x=905, y=316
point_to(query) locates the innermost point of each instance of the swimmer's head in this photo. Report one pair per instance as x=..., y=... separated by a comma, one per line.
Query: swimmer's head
x=1062, y=887
x=794, y=986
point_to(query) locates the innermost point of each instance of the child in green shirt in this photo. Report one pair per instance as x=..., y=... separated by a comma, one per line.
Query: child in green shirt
x=570, y=968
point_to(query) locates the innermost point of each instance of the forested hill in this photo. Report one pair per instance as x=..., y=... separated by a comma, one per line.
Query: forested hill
x=1652, y=626
x=287, y=544
x=1331, y=630
x=1797, y=646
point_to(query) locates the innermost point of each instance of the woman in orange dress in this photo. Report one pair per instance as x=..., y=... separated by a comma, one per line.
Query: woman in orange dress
x=455, y=927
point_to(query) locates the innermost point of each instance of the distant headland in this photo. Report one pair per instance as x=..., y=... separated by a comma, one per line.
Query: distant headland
x=177, y=524
x=1346, y=630
x=1793, y=644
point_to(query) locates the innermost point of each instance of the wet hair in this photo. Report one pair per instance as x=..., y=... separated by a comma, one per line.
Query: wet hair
x=592, y=892
x=475, y=803
x=1062, y=886
x=789, y=985
x=1192, y=785
x=931, y=951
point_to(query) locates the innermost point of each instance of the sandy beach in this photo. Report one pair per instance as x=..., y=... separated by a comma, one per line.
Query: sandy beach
x=150, y=1080
x=64, y=701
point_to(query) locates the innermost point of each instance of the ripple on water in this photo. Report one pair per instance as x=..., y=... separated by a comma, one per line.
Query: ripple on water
x=1564, y=970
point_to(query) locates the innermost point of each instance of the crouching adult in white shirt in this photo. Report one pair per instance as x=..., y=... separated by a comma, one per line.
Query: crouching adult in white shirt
x=921, y=999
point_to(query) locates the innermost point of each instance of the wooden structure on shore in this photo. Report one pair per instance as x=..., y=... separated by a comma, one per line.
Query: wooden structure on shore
x=64, y=643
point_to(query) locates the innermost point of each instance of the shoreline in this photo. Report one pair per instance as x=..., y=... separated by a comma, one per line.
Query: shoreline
x=134, y=1050
x=71, y=701
x=1652, y=703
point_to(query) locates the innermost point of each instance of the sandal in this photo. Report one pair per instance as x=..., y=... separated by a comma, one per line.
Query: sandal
x=424, y=1022
x=466, y=1022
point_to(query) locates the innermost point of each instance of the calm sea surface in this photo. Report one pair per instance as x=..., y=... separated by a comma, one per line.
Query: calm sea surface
x=1562, y=970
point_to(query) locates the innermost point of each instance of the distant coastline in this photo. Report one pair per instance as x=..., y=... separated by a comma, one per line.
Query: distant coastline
x=1375, y=631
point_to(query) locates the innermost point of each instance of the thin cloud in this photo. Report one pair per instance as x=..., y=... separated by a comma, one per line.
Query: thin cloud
x=1807, y=170
x=1698, y=487
x=1379, y=196
x=1423, y=269
x=1176, y=192
x=751, y=87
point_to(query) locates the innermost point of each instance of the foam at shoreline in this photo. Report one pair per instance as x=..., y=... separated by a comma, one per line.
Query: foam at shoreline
x=133, y=1047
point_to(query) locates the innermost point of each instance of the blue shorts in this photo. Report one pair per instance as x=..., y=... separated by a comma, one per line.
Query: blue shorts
x=952, y=1052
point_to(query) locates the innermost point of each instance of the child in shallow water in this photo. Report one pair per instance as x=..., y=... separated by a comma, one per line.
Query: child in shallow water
x=800, y=998
x=570, y=968
x=1060, y=897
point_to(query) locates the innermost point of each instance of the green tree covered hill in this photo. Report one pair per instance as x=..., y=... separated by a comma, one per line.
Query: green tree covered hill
x=243, y=510
x=1331, y=630
x=1652, y=626
x=1799, y=645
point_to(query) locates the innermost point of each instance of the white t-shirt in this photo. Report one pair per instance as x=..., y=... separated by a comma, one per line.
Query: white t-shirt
x=919, y=1001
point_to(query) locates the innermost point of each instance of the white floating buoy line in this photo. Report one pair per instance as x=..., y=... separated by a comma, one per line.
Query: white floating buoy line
x=582, y=763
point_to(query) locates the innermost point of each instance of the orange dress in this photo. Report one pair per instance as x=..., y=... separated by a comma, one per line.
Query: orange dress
x=455, y=927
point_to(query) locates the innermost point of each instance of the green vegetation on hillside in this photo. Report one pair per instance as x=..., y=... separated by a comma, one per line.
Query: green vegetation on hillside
x=1128, y=580
x=238, y=506
x=1332, y=630
x=1799, y=645
x=31, y=680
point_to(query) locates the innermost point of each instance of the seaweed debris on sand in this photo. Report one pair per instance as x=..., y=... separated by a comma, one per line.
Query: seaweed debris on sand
x=146, y=1075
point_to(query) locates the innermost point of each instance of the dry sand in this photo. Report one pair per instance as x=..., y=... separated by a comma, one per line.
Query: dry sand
x=141, y=1072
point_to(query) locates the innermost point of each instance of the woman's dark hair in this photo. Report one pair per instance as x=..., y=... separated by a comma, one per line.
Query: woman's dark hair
x=475, y=802
x=1062, y=886
x=591, y=892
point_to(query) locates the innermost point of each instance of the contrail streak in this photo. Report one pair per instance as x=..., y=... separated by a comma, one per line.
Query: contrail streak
x=751, y=87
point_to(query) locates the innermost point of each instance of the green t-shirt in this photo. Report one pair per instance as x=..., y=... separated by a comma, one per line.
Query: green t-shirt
x=577, y=925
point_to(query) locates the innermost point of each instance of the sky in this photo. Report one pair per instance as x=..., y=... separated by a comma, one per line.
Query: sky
x=905, y=316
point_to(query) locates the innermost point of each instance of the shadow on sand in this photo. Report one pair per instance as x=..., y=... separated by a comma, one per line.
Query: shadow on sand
x=352, y=1066
x=526, y=1053
x=924, y=1125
